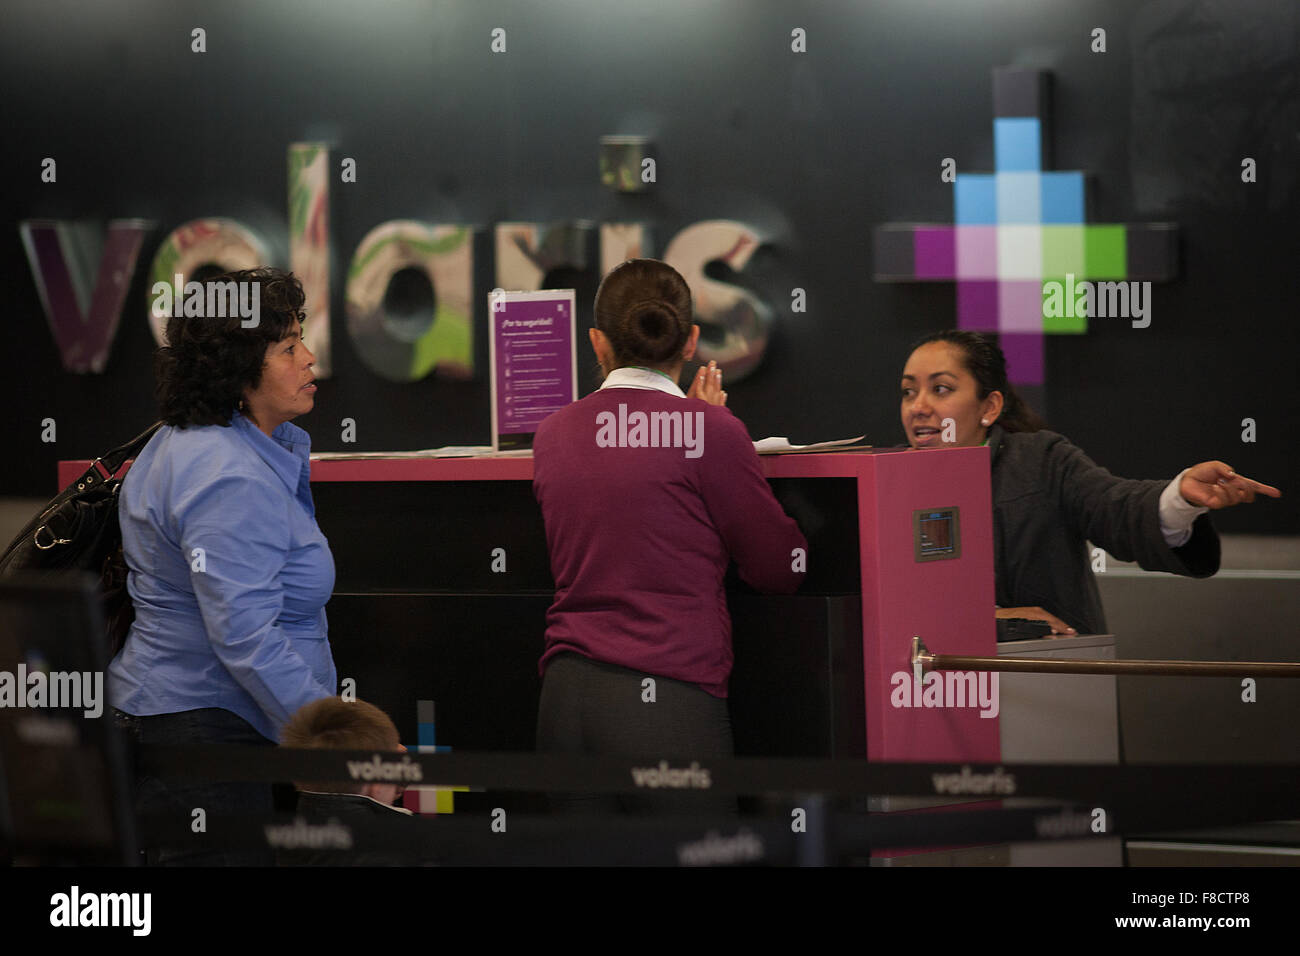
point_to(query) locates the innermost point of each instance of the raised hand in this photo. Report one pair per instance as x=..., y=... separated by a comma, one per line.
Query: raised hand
x=708, y=385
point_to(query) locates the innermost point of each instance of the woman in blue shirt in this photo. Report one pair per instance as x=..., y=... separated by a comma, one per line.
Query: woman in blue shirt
x=229, y=572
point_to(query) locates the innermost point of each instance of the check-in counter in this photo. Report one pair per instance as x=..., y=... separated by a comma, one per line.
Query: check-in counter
x=443, y=581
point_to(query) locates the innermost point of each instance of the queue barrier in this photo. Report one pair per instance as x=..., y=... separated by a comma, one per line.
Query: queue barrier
x=1159, y=796
x=821, y=836
x=924, y=660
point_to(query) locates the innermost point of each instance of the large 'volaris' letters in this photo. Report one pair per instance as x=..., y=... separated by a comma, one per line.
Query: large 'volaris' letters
x=83, y=279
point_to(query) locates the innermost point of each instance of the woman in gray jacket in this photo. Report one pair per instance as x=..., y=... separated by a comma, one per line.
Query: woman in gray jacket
x=1049, y=498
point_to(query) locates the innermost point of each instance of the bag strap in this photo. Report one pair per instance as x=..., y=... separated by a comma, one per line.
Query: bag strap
x=112, y=462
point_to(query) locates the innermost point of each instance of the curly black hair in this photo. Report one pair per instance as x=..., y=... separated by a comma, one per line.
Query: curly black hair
x=208, y=362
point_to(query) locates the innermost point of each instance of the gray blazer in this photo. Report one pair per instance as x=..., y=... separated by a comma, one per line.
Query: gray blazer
x=1049, y=498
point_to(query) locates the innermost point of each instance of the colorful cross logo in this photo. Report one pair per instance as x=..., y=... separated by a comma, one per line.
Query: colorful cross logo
x=1018, y=228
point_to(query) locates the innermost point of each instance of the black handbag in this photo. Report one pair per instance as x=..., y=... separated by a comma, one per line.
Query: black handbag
x=78, y=530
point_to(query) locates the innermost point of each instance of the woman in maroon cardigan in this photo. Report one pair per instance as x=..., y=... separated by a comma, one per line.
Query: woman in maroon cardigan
x=648, y=494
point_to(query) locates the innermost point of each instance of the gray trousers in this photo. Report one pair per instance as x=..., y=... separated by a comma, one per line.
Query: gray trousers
x=590, y=707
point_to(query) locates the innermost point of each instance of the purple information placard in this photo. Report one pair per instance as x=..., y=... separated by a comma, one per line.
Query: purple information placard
x=533, y=360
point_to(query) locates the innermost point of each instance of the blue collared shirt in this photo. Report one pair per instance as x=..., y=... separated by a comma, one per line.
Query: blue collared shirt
x=229, y=574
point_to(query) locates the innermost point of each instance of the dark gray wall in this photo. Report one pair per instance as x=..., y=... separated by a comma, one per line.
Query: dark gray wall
x=814, y=149
x=1205, y=719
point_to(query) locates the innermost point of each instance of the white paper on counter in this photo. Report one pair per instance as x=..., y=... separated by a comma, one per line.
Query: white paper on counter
x=778, y=446
x=447, y=451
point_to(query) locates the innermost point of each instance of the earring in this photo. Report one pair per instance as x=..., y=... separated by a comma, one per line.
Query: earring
x=984, y=421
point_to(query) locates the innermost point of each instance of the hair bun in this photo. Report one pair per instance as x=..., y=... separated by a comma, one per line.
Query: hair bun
x=644, y=308
x=656, y=327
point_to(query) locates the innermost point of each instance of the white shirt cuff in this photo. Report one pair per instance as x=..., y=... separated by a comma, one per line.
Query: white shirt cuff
x=1177, y=515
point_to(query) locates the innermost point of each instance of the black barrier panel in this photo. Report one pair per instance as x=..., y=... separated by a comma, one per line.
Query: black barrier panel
x=797, y=688
x=1103, y=802
x=1191, y=795
x=826, y=510
x=434, y=536
x=440, y=536
x=617, y=841
x=64, y=789
x=474, y=655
